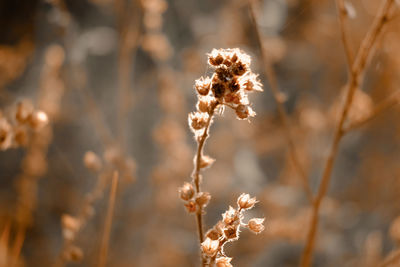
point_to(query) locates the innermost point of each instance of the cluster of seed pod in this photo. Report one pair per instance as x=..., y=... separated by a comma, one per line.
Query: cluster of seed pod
x=228, y=86
x=16, y=129
x=227, y=230
x=193, y=201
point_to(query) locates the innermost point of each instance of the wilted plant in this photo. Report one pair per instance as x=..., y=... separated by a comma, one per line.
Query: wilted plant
x=228, y=86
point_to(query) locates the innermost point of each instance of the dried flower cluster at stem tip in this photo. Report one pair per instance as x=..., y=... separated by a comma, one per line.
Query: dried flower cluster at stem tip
x=228, y=86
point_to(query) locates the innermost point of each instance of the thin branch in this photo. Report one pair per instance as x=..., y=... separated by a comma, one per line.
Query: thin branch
x=108, y=221
x=129, y=24
x=343, y=15
x=357, y=71
x=197, y=167
x=196, y=174
x=386, y=104
x=271, y=77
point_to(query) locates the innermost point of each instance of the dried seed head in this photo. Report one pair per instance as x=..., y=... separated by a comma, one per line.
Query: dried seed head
x=250, y=82
x=213, y=234
x=231, y=232
x=244, y=112
x=202, y=198
x=186, y=192
x=245, y=202
x=239, y=68
x=256, y=225
x=198, y=120
x=223, y=262
x=38, y=120
x=215, y=58
x=92, y=161
x=205, y=103
x=230, y=216
x=218, y=89
x=203, y=106
x=203, y=85
x=206, y=161
x=210, y=247
x=191, y=206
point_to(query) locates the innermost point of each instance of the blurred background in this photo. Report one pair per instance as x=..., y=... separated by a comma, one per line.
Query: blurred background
x=116, y=78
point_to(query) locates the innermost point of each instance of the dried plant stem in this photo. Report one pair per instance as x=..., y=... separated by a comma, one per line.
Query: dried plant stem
x=18, y=243
x=108, y=221
x=357, y=71
x=197, y=168
x=271, y=76
x=129, y=33
x=343, y=14
x=387, y=103
x=391, y=259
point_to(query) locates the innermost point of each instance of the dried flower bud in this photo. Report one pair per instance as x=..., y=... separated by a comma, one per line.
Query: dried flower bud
x=191, y=206
x=38, y=120
x=230, y=216
x=218, y=89
x=206, y=161
x=203, y=198
x=213, y=234
x=250, y=82
x=245, y=202
x=186, y=192
x=234, y=85
x=223, y=262
x=203, y=106
x=256, y=225
x=203, y=85
x=210, y=247
x=244, y=112
x=205, y=103
x=231, y=232
x=92, y=161
x=197, y=120
x=239, y=68
x=215, y=58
